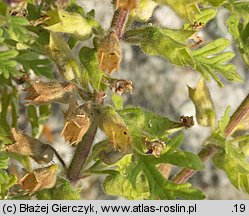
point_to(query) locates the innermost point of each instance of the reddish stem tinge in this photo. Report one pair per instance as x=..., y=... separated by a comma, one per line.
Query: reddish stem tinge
x=210, y=150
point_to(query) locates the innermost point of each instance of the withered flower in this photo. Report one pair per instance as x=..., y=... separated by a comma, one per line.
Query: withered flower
x=77, y=122
x=197, y=25
x=109, y=53
x=42, y=178
x=121, y=86
x=186, y=121
x=46, y=92
x=154, y=147
x=29, y=146
x=127, y=4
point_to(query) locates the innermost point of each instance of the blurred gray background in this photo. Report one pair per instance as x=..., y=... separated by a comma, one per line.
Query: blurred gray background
x=162, y=88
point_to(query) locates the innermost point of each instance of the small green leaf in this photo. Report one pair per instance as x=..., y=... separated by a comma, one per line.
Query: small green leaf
x=239, y=8
x=205, y=111
x=32, y=61
x=208, y=60
x=236, y=166
x=233, y=24
x=224, y=121
x=117, y=101
x=63, y=190
x=181, y=159
x=216, y=2
x=144, y=11
x=59, y=51
x=89, y=59
x=173, y=143
x=163, y=189
x=6, y=181
x=72, y=23
x=186, y=9
x=17, y=28
x=7, y=62
x=205, y=15
x=4, y=158
x=142, y=122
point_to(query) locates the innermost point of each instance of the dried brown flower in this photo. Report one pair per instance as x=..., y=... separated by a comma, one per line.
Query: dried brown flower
x=127, y=4
x=77, y=122
x=186, y=121
x=42, y=178
x=29, y=146
x=198, y=41
x=121, y=86
x=154, y=147
x=109, y=53
x=46, y=92
x=197, y=25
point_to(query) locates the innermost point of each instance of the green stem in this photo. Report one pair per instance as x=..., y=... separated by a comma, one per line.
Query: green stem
x=210, y=150
x=240, y=139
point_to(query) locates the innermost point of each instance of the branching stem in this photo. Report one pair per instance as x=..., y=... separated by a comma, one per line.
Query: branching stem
x=210, y=150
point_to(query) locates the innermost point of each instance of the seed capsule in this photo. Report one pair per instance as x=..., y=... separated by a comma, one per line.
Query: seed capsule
x=46, y=92
x=109, y=53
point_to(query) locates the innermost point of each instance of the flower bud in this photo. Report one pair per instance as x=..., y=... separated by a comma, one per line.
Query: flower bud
x=109, y=53
x=46, y=92
x=42, y=178
x=29, y=146
x=77, y=123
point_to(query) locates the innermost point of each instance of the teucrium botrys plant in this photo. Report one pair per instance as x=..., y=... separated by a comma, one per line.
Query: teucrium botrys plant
x=38, y=51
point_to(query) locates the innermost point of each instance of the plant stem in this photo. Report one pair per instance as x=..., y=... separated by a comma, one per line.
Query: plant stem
x=206, y=153
x=119, y=21
x=241, y=111
x=81, y=153
x=59, y=157
x=210, y=150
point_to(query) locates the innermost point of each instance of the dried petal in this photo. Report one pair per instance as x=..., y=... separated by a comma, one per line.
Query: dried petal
x=77, y=123
x=197, y=25
x=154, y=147
x=121, y=86
x=39, y=179
x=29, y=146
x=186, y=121
x=46, y=92
x=109, y=53
x=127, y=4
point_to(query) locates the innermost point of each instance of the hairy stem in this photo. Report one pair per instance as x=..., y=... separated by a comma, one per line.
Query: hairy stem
x=210, y=150
x=241, y=111
x=119, y=21
x=206, y=153
x=81, y=153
